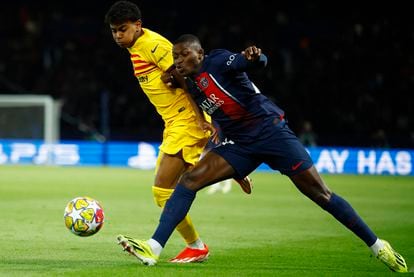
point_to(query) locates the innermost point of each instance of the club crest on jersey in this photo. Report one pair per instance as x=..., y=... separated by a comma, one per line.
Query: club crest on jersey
x=143, y=79
x=203, y=82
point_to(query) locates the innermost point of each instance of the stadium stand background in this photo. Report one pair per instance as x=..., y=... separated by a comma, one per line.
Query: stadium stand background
x=346, y=69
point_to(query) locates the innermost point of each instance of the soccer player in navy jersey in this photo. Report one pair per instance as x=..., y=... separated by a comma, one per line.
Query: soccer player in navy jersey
x=255, y=132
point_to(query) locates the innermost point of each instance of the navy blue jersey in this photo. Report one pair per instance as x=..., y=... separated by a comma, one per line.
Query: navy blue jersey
x=224, y=91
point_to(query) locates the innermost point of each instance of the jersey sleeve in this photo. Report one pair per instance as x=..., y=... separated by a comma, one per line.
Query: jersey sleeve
x=237, y=62
x=160, y=54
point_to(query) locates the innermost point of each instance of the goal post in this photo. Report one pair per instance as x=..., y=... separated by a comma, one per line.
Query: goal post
x=29, y=117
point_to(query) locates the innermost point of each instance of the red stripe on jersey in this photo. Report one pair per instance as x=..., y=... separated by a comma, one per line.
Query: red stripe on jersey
x=135, y=56
x=138, y=61
x=144, y=66
x=146, y=71
x=213, y=92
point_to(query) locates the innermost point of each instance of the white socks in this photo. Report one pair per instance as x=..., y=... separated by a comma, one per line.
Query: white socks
x=155, y=246
x=377, y=246
x=198, y=244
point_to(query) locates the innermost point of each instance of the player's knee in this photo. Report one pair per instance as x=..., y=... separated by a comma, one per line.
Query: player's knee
x=189, y=180
x=166, y=182
x=322, y=197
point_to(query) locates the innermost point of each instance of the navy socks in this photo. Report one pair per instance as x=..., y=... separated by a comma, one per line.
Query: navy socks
x=345, y=214
x=174, y=212
x=180, y=202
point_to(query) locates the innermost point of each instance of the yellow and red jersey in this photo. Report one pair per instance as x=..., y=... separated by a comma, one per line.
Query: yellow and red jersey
x=151, y=55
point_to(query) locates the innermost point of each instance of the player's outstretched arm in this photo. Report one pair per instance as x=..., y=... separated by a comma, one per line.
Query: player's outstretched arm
x=201, y=119
x=251, y=58
x=174, y=80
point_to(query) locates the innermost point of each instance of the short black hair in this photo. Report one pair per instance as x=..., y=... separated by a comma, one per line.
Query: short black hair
x=121, y=12
x=188, y=38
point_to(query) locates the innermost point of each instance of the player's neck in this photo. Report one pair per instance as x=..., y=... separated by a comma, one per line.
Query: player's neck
x=137, y=35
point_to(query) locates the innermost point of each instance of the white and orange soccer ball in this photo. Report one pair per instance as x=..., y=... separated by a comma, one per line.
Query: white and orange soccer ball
x=84, y=216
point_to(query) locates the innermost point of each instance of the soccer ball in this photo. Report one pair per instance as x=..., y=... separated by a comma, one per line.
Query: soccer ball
x=84, y=216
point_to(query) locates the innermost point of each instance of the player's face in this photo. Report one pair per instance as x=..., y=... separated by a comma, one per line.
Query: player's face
x=187, y=58
x=125, y=34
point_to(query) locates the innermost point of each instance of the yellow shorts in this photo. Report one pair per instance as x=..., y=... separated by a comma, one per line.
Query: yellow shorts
x=188, y=138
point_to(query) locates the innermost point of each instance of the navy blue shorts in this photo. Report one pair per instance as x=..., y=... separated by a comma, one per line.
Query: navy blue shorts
x=279, y=148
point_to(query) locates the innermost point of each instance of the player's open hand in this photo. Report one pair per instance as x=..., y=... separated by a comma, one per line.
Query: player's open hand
x=208, y=127
x=252, y=53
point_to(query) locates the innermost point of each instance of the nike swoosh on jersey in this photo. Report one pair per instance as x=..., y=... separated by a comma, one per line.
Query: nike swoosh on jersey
x=155, y=49
x=296, y=166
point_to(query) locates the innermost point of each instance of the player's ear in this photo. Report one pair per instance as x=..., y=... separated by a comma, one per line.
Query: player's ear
x=200, y=54
x=138, y=24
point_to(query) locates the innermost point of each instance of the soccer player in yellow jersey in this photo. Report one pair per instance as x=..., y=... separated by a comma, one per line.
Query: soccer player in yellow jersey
x=183, y=137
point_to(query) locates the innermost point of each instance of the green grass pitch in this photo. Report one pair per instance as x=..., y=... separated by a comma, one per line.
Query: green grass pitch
x=275, y=231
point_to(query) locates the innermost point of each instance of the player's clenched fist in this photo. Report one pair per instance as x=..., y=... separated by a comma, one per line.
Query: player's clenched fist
x=252, y=53
x=168, y=79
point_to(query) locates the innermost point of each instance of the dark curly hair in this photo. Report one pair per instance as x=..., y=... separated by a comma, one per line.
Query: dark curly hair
x=121, y=12
x=188, y=38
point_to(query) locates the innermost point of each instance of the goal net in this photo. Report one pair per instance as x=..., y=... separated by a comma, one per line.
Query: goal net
x=29, y=117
